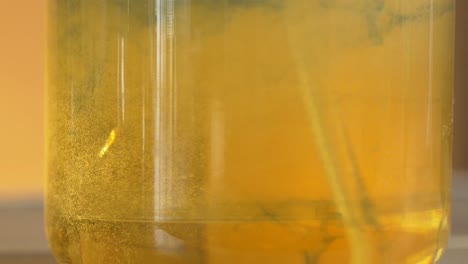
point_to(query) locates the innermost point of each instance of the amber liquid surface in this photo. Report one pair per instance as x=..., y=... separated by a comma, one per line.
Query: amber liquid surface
x=249, y=131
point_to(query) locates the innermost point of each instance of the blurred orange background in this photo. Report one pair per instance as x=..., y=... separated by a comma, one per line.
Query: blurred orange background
x=22, y=24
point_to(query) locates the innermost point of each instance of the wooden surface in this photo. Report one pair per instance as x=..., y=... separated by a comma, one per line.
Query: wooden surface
x=27, y=259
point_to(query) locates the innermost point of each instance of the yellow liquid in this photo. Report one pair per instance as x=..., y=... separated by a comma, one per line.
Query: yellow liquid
x=249, y=131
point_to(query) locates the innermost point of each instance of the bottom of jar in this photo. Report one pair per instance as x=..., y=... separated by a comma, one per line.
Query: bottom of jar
x=416, y=238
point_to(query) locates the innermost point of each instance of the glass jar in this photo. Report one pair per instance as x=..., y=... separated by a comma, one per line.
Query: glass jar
x=249, y=131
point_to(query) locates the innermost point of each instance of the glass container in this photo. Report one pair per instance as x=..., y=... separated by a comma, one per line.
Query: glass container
x=249, y=131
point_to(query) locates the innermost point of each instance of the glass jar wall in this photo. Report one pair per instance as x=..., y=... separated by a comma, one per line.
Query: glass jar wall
x=249, y=131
